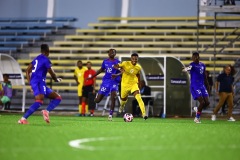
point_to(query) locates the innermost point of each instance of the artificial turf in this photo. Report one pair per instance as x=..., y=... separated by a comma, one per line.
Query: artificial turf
x=176, y=139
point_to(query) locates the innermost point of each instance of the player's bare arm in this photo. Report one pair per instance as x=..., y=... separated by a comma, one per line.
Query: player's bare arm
x=76, y=80
x=28, y=72
x=206, y=83
x=97, y=73
x=53, y=75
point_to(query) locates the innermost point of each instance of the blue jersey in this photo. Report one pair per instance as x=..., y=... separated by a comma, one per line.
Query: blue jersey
x=107, y=66
x=40, y=64
x=197, y=73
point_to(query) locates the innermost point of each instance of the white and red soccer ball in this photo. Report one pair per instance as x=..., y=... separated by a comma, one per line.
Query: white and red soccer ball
x=128, y=117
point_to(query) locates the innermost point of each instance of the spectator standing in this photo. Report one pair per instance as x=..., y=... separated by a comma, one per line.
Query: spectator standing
x=225, y=91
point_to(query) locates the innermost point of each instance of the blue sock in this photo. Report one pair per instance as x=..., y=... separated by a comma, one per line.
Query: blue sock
x=198, y=114
x=54, y=103
x=111, y=112
x=32, y=109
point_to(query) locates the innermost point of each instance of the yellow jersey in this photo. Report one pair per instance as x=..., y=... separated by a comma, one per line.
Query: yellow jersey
x=130, y=71
x=79, y=73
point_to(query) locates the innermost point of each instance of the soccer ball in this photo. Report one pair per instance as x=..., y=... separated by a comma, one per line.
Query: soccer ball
x=128, y=117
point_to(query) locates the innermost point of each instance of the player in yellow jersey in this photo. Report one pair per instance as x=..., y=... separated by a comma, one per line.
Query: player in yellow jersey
x=79, y=77
x=130, y=82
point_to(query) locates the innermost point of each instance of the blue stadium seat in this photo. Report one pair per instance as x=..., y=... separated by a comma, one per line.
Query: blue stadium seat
x=38, y=19
x=5, y=38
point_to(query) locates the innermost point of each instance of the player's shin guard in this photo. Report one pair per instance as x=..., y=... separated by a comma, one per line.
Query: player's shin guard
x=33, y=108
x=54, y=103
x=141, y=104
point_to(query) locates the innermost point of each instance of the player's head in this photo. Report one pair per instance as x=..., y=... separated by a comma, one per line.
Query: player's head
x=45, y=49
x=134, y=58
x=79, y=64
x=195, y=57
x=5, y=77
x=89, y=65
x=142, y=83
x=112, y=53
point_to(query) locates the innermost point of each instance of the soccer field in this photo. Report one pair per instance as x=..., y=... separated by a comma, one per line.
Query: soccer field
x=95, y=138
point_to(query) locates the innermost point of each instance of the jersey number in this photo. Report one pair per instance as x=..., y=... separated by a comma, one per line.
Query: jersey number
x=35, y=66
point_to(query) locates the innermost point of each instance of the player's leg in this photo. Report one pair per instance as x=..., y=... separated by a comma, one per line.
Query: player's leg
x=138, y=97
x=124, y=97
x=197, y=95
x=113, y=96
x=80, y=99
x=39, y=89
x=55, y=101
x=84, y=98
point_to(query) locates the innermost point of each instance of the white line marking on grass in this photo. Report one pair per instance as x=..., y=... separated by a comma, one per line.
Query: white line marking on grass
x=78, y=143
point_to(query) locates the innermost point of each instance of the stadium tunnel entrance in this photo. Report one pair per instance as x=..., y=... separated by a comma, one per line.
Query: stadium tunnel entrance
x=170, y=86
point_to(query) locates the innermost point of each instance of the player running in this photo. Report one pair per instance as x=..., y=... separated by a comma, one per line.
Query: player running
x=109, y=85
x=130, y=82
x=197, y=87
x=38, y=69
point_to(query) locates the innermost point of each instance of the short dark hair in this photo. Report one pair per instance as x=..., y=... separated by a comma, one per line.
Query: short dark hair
x=112, y=50
x=195, y=54
x=134, y=54
x=44, y=48
x=89, y=62
x=79, y=61
x=5, y=75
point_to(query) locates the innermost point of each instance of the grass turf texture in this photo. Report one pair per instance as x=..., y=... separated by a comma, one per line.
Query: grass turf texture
x=138, y=140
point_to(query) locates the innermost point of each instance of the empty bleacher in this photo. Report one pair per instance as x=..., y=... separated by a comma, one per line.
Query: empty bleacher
x=16, y=34
x=170, y=36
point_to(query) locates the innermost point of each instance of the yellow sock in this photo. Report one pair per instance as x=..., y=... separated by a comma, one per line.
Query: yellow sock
x=86, y=109
x=80, y=108
x=141, y=104
x=122, y=103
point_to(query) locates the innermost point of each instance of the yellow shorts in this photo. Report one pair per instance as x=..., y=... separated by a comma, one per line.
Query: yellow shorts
x=126, y=89
x=80, y=90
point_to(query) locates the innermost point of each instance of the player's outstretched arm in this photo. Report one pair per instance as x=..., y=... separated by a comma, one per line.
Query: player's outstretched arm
x=97, y=73
x=53, y=75
x=185, y=69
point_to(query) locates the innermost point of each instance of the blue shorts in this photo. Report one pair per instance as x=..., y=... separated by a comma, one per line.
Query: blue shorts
x=199, y=91
x=108, y=87
x=40, y=88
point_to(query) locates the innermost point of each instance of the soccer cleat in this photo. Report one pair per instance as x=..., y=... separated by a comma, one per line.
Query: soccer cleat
x=145, y=117
x=197, y=120
x=110, y=117
x=121, y=109
x=231, y=119
x=213, y=117
x=46, y=116
x=22, y=121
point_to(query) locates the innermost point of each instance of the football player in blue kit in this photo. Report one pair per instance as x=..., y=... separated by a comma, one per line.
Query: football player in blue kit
x=36, y=77
x=109, y=84
x=198, y=83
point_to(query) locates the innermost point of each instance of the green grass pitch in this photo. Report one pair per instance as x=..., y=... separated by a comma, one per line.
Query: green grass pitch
x=98, y=139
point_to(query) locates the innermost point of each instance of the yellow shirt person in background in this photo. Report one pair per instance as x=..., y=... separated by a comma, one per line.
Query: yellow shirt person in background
x=130, y=81
x=79, y=77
